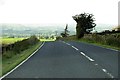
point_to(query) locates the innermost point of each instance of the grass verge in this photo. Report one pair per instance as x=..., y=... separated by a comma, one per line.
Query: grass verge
x=99, y=44
x=10, y=63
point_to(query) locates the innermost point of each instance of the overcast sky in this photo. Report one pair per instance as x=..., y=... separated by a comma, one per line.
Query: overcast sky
x=57, y=11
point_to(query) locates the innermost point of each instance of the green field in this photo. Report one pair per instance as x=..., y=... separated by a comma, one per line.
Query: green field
x=13, y=40
x=10, y=63
x=48, y=39
x=10, y=40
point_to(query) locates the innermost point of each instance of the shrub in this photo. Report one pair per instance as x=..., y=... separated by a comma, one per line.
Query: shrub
x=8, y=54
x=19, y=46
x=113, y=40
x=24, y=44
x=109, y=39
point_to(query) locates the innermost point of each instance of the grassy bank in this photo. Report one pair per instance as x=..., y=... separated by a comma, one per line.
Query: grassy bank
x=107, y=41
x=10, y=63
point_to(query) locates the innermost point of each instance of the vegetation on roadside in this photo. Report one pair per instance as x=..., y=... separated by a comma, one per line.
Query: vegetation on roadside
x=111, y=40
x=85, y=24
x=108, y=41
x=19, y=46
x=20, y=51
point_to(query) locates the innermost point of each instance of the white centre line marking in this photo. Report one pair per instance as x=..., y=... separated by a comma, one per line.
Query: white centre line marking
x=87, y=56
x=75, y=48
x=72, y=46
x=67, y=43
x=104, y=70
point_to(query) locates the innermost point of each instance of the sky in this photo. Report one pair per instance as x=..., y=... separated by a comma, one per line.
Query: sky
x=57, y=11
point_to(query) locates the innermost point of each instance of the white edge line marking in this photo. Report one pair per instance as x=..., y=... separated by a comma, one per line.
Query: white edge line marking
x=22, y=62
x=75, y=48
x=102, y=47
x=111, y=49
x=87, y=56
x=67, y=43
x=105, y=47
x=108, y=48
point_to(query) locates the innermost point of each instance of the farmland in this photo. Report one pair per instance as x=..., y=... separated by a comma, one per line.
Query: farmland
x=10, y=40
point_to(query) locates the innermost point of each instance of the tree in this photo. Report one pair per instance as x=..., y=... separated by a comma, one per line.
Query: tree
x=85, y=24
x=118, y=29
x=65, y=33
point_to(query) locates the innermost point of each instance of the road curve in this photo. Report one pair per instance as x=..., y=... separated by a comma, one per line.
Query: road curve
x=69, y=60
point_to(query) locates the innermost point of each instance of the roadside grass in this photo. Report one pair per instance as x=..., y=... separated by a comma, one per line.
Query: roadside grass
x=10, y=40
x=99, y=44
x=10, y=63
x=103, y=41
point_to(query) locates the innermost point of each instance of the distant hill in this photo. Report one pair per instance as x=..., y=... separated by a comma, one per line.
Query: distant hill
x=45, y=30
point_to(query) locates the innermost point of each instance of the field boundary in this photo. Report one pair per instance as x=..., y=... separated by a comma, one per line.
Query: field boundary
x=22, y=61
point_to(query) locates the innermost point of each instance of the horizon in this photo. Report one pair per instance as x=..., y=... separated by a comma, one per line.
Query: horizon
x=53, y=27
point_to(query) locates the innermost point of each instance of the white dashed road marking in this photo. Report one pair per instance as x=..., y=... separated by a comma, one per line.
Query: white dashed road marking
x=90, y=59
x=104, y=70
x=67, y=43
x=87, y=56
x=75, y=48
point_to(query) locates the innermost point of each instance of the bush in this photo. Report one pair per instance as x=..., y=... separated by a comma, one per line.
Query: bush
x=19, y=46
x=113, y=41
x=8, y=54
x=24, y=44
x=110, y=39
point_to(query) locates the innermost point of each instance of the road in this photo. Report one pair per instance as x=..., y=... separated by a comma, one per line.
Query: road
x=61, y=59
